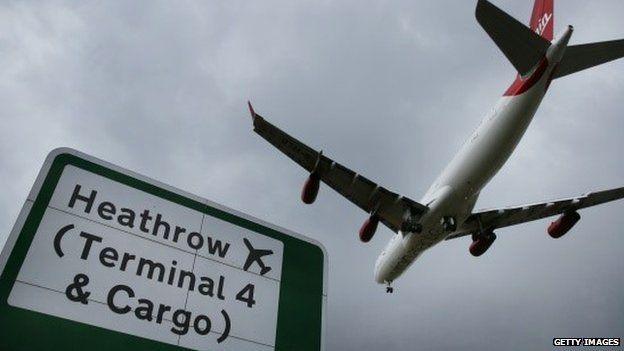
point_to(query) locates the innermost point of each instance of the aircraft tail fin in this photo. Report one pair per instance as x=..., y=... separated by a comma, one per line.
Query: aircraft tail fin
x=543, y=18
x=522, y=46
x=581, y=57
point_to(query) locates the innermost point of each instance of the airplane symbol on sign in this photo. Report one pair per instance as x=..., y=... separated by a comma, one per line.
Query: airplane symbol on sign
x=256, y=255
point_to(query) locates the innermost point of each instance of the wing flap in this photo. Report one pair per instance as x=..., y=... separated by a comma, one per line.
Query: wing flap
x=302, y=154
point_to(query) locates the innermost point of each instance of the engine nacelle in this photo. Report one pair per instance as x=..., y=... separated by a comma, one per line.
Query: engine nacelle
x=562, y=226
x=310, y=189
x=481, y=243
x=369, y=228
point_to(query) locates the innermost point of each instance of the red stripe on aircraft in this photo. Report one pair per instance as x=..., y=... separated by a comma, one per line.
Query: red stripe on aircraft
x=520, y=85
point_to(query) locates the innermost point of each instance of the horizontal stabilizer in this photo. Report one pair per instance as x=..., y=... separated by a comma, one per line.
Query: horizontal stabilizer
x=523, y=47
x=581, y=57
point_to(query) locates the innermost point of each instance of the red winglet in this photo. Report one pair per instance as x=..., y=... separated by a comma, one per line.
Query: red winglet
x=251, y=110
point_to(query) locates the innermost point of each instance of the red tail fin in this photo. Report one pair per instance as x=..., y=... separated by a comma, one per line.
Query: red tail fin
x=543, y=18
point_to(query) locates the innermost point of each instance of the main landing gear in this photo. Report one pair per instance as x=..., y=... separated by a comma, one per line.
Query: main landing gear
x=449, y=224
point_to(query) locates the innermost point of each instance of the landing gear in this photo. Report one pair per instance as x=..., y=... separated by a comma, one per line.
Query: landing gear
x=411, y=226
x=449, y=224
x=389, y=289
x=410, y=222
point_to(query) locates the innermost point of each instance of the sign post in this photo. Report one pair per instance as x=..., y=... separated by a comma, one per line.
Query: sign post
x=101, y=258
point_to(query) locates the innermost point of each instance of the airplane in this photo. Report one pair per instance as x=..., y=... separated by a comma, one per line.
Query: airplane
x=445, y=212
x=256, y=255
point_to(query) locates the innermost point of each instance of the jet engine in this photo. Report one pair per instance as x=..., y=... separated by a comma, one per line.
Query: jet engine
x=369, y=228
x=481, y=243
x=561, y=226
x=310, y=189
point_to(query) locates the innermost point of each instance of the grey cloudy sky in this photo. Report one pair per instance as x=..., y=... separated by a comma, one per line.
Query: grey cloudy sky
x=389, y=88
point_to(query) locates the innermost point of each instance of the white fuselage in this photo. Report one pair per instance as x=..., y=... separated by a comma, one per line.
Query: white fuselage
x=455, y=191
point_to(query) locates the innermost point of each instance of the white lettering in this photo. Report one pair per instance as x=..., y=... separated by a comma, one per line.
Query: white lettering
x=542, y=23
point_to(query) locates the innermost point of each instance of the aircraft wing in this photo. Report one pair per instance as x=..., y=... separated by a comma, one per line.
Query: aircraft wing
x=392, y=209
x=505, y=217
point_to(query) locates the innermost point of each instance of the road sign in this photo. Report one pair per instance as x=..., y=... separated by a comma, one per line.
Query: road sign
x=104, y=259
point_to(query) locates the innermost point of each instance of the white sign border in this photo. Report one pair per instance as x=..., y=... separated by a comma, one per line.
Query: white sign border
x=45, y=169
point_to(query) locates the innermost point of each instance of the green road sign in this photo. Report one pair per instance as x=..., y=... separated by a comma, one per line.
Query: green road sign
x=104, y=259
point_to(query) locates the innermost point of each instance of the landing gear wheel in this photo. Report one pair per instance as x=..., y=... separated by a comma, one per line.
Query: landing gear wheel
x=449, y=224
x=389, y=289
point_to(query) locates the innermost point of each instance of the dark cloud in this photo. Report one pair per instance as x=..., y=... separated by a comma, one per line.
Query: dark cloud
x=391, y=89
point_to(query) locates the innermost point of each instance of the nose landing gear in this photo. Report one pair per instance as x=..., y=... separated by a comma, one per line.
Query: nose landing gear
x=389, y=288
